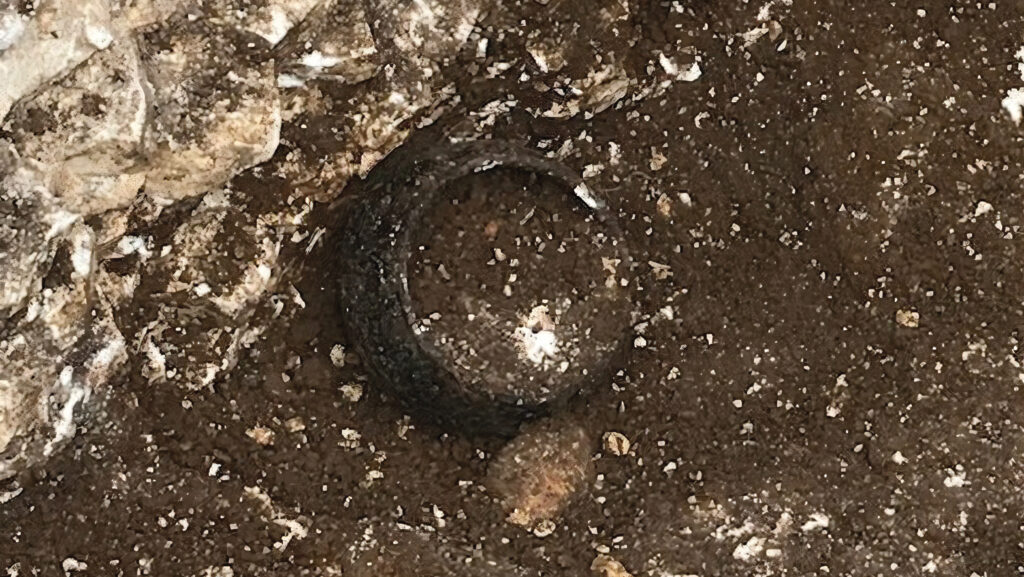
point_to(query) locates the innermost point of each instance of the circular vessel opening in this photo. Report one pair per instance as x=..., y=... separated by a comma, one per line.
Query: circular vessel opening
x=515, y=286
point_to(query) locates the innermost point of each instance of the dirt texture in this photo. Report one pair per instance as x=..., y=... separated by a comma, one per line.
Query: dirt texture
x=822, y=201
x=514, y=284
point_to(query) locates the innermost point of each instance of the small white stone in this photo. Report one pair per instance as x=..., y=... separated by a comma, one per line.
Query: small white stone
x=350, y=438
x=955, y=479
x=658, y=160
x=261, y=435
x=691, y=74
x=71, y=564
x=544, y=528
x=352, y=392
x=817, y=521
x=616, y=443
x=338, y=356
x=909, y=319
x=747, y=551
x=1014, y=104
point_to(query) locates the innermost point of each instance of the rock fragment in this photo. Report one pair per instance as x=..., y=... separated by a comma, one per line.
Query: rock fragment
x=539, y=472
x=61, y=35
x=616, y=443
x=84, y=132
x=276, y=18
x=908, y=318
x=608, y=566
x=58, y=343
x=206, y=130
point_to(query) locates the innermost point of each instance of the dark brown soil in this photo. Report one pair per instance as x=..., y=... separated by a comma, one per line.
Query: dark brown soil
x=514, y=284
x=820, y=184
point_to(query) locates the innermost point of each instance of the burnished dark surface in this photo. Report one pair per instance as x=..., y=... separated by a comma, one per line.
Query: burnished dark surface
x=375, y=241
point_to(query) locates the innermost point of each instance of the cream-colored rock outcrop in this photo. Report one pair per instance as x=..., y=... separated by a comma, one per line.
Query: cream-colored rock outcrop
x=120, y=114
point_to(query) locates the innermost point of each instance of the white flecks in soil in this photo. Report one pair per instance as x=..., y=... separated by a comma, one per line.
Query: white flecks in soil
x=295, y=530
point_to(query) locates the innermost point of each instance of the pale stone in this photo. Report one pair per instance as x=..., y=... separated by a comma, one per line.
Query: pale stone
x=64, y=346
x=61, y=35
x=276, y=18
x=339, y=47
x=89, y=142
x=616, y=443
x=429, y=29
x=232, y=288
x=539, y=472
x=608, y=566
x=217, y=114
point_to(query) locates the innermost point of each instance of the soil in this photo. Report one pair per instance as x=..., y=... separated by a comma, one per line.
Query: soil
x=513, y=282
x=827, y=382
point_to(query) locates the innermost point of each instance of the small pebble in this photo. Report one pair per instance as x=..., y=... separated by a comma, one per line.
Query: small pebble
x=608, y=566
x=909, y=319
x=539, y=473
x=544, y=528
x=261, y=435
x=616, y=443
x=352, y=392
x=338, y=356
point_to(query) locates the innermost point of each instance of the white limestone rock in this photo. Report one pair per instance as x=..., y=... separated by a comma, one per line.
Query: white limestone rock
x=336, y=46
x=86, y=130
x=61, y=35
x=57, y=337
x=216, y=112
x=276, y=18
